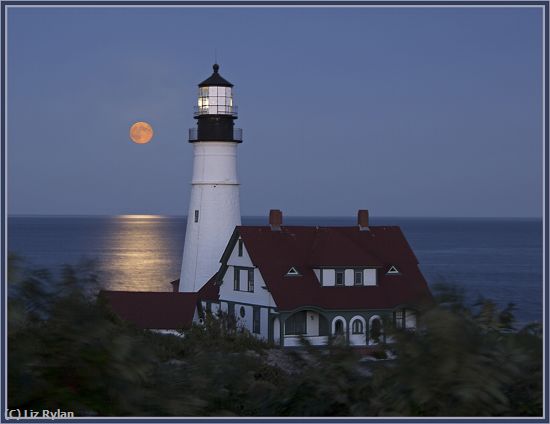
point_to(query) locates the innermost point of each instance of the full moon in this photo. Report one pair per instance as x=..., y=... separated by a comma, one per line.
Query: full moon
x=141, y=132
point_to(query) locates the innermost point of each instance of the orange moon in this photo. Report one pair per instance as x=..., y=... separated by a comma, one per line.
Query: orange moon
x=141, y=133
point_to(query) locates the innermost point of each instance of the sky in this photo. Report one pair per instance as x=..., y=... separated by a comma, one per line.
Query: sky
x=402, y=111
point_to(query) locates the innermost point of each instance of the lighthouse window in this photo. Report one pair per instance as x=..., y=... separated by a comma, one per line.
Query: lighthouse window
x=196, y=216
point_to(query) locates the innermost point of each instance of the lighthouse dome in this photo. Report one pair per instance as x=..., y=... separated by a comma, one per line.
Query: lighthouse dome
x=215, y=79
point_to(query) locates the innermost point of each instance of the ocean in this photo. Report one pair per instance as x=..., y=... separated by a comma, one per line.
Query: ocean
x=500, y=259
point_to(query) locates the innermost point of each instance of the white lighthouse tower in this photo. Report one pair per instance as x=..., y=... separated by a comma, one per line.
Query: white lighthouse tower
x=214, y=209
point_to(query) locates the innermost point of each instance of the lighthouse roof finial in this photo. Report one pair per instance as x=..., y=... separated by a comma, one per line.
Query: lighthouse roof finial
x=215, y=79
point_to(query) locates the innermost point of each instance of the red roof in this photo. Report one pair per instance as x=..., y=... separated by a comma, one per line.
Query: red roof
x=305, y=248
x=209, y=292
x=154, y=310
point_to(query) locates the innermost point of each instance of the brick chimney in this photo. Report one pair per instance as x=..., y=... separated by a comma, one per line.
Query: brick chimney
x=275, y=219
x=363, y=219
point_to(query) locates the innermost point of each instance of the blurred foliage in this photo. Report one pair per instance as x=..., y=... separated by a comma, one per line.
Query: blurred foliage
x=67, y=350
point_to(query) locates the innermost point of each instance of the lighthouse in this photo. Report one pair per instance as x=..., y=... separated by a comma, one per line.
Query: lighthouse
x=214, y=209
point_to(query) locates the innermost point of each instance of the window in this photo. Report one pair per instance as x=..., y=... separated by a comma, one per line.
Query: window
x=251, y=280
x=196, y=216
x=339, y=327
x=399, y=318
x=242, y=312
x=248, y=280
x=340, y=277
x=236, y=279
x=321, y=276
x=393, y=270
x=240, y=247
x=357, y=327
x=292, y=272
x=256, y=320
x=296, y=324
x=358, y=277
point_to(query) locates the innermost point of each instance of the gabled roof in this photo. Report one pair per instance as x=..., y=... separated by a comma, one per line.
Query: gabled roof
x=306, y=248
x=153, y=310
x=209, y=292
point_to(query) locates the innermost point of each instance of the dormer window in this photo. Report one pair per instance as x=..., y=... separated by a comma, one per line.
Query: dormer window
x=393, y=271
x=293, y=272
x=339, y=277
x=358, y=277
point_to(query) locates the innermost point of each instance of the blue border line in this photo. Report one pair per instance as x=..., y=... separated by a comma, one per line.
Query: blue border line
x=544, y=4
x=546, y=214
x=3, y=279
x=276, y=3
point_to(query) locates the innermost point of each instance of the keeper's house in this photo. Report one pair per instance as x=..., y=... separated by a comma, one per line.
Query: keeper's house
x=283, y=283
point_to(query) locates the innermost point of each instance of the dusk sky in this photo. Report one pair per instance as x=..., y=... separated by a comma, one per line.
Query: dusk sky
x=402, y=111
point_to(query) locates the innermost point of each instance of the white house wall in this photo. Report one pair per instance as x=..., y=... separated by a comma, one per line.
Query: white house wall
x=312, y=323
x=260, y=296
x=410, y=319
x=235, y=259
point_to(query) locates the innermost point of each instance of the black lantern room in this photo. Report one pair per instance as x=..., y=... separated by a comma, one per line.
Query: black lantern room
x=215, y=111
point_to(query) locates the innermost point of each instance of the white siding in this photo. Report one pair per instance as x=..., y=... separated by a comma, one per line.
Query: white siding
x=259, y=296
x=246, y=321
x=264, y=320
x=276, y=330
x=236, y=260
x=369, y=277
x=312, y=323
x=358, y=339
x=315, y=341
x=410, y=318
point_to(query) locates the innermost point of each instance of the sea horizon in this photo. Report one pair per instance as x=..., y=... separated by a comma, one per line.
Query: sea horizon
x=496, y=258
x=352, y=217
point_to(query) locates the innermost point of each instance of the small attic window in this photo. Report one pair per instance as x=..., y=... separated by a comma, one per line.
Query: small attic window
x=393, y=270
x=292, y=272
x=240, y=247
